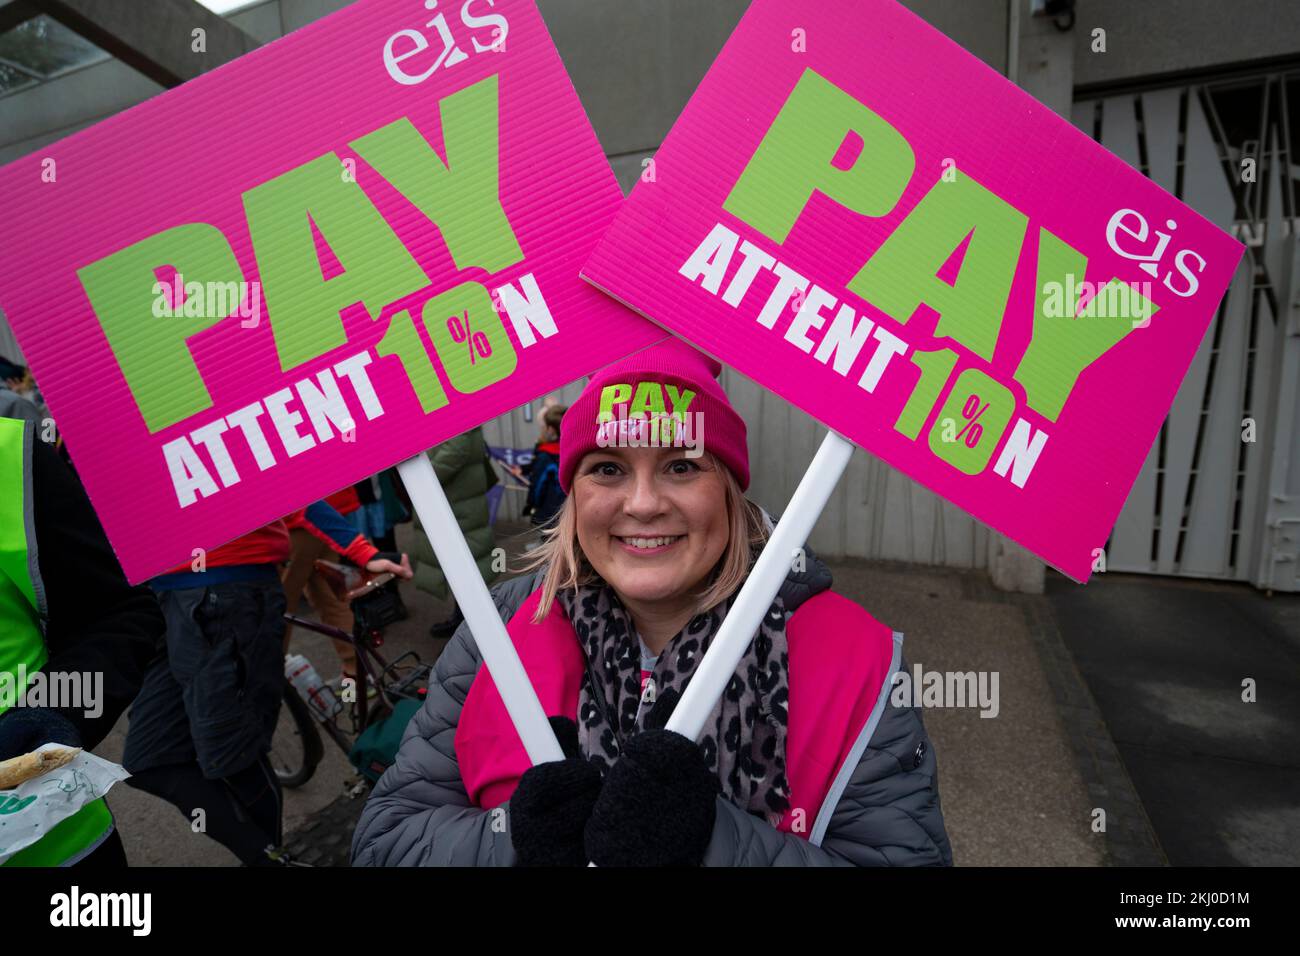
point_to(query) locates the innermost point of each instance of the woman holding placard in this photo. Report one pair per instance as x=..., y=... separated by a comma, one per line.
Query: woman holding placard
x=803, y=761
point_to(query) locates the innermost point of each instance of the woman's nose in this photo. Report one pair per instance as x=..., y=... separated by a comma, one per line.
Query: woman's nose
x=644, y=499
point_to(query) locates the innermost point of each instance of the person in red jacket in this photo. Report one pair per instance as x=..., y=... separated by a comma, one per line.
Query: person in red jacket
x=545, y=496
x=201, y=727
x=315, y=535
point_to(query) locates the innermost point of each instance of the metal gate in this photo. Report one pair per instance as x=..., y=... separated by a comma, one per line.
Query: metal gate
x=1218, y=494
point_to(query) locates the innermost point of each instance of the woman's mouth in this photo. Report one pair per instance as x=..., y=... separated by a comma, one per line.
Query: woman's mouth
x=647, y=545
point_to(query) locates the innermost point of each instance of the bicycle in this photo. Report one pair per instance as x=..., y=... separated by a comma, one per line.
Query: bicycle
x=296, y=747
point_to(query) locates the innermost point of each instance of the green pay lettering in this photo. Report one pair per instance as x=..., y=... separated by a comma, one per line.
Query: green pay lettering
x=681, y=400
x=1063, y=344
x=794, y=160
x=903, y=272
x=610, y=396
x=302, y=305
x=153, y=354
x=460, y=196
x=648, y=400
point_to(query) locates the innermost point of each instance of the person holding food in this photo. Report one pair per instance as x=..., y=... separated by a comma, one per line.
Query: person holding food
x=65, y=609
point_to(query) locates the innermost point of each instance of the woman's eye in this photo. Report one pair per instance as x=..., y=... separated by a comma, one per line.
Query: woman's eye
x=605, y=469
x=683, y=466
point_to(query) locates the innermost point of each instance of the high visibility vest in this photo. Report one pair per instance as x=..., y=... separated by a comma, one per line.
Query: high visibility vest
x=23, y=613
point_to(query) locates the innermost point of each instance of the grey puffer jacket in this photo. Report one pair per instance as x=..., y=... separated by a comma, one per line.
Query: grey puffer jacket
x=883, y=808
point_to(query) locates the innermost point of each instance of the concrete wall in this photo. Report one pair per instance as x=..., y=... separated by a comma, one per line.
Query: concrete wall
x=635, y=63
x=50, y=111
x=1148, y=38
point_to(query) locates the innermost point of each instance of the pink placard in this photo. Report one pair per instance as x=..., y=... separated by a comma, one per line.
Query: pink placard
x=298, y=269
x=864, y=218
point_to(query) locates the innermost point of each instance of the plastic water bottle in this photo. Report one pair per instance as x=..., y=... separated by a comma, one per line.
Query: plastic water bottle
x=310, y=687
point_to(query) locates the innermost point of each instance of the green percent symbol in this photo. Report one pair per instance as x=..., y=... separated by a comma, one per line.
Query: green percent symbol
x=971, y=421
x=470, y=338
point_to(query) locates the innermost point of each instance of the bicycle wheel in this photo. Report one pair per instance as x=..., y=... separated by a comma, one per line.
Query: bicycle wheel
x=296, y=746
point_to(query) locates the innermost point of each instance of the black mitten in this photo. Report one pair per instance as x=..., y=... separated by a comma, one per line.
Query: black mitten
x=659, y=801
x=551, y=805
x=23, y=729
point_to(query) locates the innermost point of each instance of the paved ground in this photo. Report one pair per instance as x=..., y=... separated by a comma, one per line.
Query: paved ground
x=1166, y=659
x=1218, y=778
x=1012, y=791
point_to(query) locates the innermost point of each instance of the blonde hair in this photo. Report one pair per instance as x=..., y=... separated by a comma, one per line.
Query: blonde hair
x=568, y=568
x=553, y=415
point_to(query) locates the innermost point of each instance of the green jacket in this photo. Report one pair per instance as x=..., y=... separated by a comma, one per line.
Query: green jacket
x=465, y=474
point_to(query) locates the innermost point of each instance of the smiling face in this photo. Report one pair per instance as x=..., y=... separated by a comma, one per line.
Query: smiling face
x=652, y=522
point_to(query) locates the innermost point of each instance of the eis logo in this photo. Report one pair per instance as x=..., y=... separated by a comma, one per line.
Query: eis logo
x=486, y=32
x=1129, y=234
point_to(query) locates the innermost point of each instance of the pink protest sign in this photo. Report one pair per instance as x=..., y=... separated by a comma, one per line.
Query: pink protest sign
x=312, y=263
x=864, y=218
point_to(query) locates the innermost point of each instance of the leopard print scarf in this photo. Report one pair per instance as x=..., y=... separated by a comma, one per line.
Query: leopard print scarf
x=744, y=736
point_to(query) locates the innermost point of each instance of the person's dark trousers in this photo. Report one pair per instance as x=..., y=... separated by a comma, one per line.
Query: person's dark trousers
x=242, y=812
x=202, y=724
x=445, y=629
x=109, y=855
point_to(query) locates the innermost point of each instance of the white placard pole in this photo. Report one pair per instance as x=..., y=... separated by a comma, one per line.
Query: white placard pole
x=471, y=593
x=759, y=590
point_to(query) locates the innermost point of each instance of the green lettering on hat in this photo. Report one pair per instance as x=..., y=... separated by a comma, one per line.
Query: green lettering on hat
x=610, y=396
